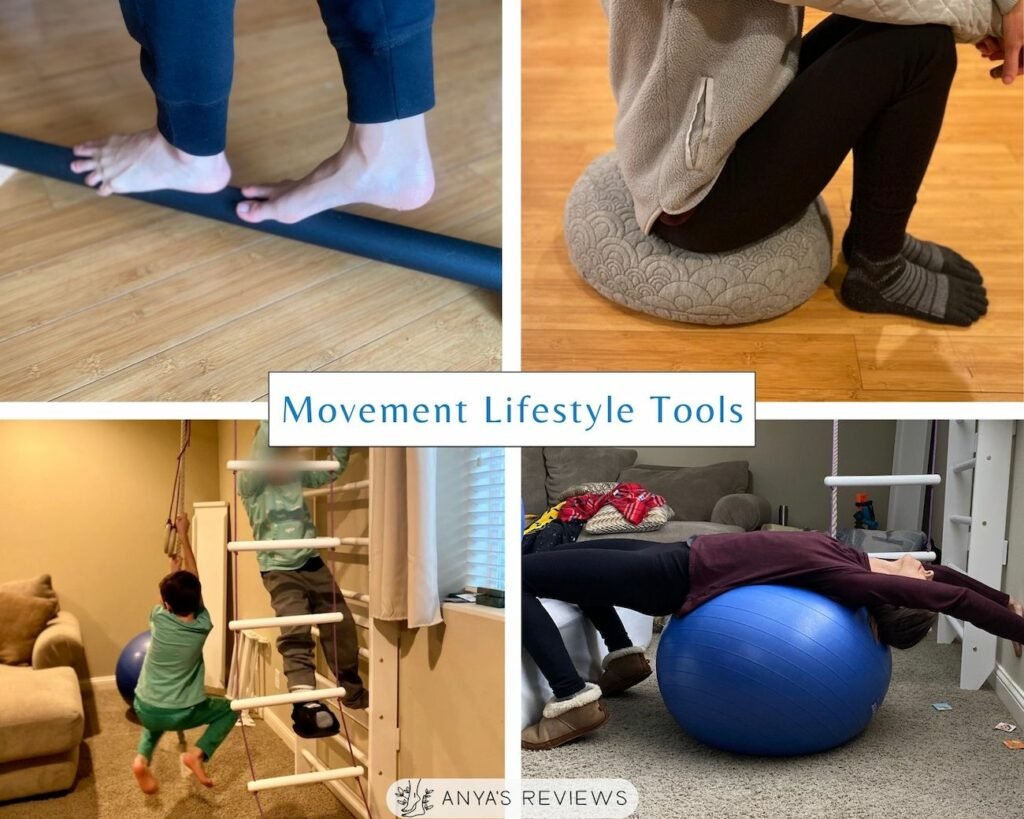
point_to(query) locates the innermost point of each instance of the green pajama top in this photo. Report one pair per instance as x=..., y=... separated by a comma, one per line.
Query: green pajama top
x=279, y=511
x=173, y=671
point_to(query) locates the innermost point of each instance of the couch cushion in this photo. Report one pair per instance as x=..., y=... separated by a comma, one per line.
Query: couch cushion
x=22, y=619
x=535, y=497
x=568, y=466
x=692, y=491
x=40, y=712
x=40, y=586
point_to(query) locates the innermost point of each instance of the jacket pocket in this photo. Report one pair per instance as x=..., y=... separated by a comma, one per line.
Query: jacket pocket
x=701, y=122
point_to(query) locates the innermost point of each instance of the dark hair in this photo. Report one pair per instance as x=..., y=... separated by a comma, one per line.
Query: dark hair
x=181, y=591
x=901, y=627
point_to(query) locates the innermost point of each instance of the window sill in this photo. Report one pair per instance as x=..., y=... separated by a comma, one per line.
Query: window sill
x=472, y=610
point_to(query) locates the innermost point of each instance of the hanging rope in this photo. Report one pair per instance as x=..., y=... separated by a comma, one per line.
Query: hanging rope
x=334, y=637
x=835, y=472
x=172, y=541
x=235, y=643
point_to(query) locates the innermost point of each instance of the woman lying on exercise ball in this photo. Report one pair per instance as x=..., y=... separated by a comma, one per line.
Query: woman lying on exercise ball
x=664, y=578
x=729, y=125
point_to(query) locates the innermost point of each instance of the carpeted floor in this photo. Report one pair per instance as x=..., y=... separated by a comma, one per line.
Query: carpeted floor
x=913, y=762
x=106, y=787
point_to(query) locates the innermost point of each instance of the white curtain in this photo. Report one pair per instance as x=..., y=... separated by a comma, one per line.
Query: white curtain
x=403, y=546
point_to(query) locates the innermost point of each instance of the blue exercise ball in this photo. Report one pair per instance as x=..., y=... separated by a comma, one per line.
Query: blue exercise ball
x=129, y=666
x=772, y=671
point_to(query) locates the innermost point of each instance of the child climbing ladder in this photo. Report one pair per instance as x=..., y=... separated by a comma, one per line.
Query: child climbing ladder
x=299, y=583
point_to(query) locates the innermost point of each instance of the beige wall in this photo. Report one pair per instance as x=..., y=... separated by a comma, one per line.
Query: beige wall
x=86, y=502
x=451, y=685
x=791, y=459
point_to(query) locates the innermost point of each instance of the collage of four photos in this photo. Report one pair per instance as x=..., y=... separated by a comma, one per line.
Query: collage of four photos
x=198, y=622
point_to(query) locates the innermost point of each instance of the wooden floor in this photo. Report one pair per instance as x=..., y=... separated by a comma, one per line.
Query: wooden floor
x=973, y=200
x=119, y=300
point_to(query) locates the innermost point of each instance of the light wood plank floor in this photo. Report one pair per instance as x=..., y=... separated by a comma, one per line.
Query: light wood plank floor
x=973, y=200
x=119, y=300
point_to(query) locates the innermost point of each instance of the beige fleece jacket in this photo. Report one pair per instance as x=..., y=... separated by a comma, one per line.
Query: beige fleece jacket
x=691, y=76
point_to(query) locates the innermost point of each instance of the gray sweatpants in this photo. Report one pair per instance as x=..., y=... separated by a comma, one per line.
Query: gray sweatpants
x=311, y=592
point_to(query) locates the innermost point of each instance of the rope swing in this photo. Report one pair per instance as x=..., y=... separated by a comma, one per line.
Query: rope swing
x=172, y=541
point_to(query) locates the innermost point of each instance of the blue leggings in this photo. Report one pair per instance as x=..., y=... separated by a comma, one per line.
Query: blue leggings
x=384, y=47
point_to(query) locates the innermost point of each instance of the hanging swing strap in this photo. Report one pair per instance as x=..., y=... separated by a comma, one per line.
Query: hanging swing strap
x=172, y=546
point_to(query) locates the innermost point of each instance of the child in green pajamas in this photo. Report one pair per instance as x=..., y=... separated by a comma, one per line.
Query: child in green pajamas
x=170, y=694
x=300, y=583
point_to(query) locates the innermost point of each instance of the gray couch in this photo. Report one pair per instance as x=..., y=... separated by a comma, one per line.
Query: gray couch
x=705, y=499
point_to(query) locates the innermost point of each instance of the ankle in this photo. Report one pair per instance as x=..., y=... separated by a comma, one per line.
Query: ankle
x=406, y=136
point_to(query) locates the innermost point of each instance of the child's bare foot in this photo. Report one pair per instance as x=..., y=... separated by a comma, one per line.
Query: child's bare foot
x=144, y=776
x=145, y=161
x=193, y=760
x=386, y=164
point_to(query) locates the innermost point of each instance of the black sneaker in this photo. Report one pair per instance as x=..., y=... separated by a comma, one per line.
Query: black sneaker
x=305, y=720
x=358, y=700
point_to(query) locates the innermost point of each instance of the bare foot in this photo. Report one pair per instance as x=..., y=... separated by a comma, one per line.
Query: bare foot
x=144, y=776
x=145, y=161
x=193, y=760
x=386, y=164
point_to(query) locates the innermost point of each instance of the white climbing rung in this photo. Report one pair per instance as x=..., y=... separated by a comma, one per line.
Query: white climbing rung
x=284, y=545
x=963, y=520
x=290, y=698
x=355, y=541
x=272, y=464
x=924, y=557
x=963, y=466
x=358, y=597
x=882, y=480
x=287, y=620
x=328, y=490
x=363, y=652
x=311, y=778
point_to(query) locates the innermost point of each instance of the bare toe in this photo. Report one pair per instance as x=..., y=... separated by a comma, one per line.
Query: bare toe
x=83, y=165
x=94, y=178
x=254, y=212
x=259, y=191
x=105, y=189
x=86, y=148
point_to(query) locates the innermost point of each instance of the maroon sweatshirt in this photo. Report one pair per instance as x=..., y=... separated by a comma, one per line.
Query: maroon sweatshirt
x=817, y=562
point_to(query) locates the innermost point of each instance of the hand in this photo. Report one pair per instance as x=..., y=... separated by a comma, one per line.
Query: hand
x=181, y=524
x=1013, y=44
x=991, y=48
x=1016, y=607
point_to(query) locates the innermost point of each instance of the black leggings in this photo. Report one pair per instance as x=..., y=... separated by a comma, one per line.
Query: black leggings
x=652, y=578
x=878, y=90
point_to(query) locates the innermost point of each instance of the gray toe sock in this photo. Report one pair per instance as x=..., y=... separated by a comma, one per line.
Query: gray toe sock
x=939, y=258
x=904, y=288
x=932, y=256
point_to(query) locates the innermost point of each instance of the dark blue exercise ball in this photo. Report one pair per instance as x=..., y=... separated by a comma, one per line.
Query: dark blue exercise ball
x=772, y=671
x=129, y=666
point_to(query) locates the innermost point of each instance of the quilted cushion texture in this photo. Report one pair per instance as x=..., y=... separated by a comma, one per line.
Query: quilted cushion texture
x=760, y=281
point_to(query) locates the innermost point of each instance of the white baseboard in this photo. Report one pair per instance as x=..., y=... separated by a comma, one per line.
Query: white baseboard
x=1010, y=693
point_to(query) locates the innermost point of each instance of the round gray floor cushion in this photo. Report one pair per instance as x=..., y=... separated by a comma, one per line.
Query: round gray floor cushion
x=756, y=282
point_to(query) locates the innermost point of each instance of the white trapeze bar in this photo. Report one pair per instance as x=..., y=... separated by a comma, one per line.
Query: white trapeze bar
x=924, y=557
x=291, y=697
x=284, y=545
x=883, y=480
x=963, y=466
x=287, y=620
x=311, y=778
x=358, y=597
x=963, y=520
x=271, y=464
x=327, y=490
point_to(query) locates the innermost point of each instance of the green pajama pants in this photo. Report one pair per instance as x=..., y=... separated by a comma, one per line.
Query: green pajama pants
x=214, y=712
